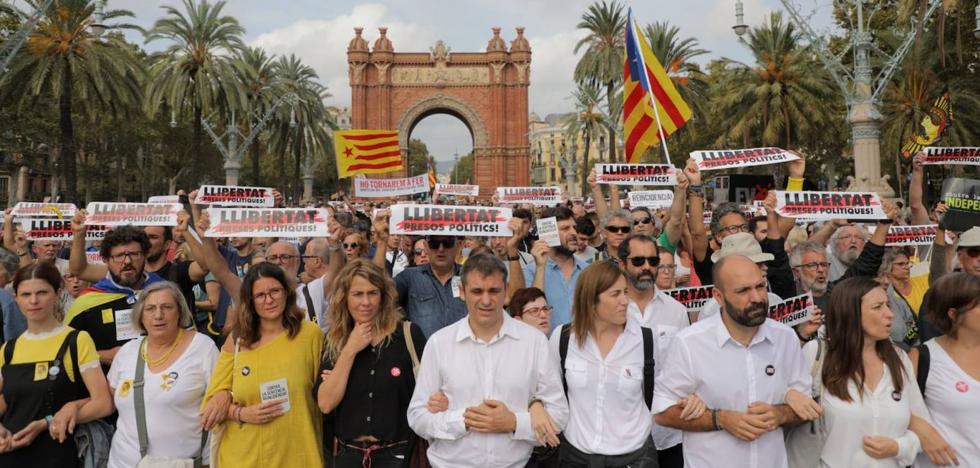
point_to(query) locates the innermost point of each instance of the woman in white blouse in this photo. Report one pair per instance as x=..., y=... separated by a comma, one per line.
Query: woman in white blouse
x=177, y=363
x=604, y=374
x=952, y=382
x=869, y=393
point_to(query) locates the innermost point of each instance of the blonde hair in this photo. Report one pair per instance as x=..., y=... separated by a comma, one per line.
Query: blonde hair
x=341, y=322
x=594, y=280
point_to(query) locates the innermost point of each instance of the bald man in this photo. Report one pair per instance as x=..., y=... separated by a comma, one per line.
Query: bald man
x=741, y=364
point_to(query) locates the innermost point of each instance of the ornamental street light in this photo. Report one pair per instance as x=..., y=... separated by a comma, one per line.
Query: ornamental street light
x=862, y=92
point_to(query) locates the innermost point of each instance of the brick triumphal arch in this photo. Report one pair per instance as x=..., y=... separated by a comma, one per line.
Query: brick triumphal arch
x=486, y=90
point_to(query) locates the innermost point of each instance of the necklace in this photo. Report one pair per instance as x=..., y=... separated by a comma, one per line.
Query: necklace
x=161, y=359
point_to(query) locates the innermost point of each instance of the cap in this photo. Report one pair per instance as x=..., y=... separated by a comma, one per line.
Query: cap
x=970, y=238
x=744, y=244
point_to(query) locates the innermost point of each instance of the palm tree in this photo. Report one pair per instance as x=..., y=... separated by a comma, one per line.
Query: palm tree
x=256, y=71
x=780, y=97
x=65, y=60
x=605, y=52
x=196, y=69
x=588, y=119
x=677, y=55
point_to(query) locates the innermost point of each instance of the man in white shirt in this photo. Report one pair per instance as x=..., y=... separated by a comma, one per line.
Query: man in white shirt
x=654, y=309
x=741, y=364
x=491, y=367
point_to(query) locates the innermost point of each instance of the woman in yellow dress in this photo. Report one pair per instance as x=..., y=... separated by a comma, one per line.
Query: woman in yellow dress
x=267, y=371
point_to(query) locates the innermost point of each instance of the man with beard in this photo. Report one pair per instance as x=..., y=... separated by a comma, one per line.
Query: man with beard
x=654, y=309
x=105, y=310
x=846, y=245
x=555, y=269
x=741, y=364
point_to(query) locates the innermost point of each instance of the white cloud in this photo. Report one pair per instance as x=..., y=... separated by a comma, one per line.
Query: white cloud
x=552, y=67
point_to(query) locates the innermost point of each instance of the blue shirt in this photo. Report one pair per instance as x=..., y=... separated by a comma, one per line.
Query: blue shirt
x=428, y=303
x=14, y=322
x=557, y=290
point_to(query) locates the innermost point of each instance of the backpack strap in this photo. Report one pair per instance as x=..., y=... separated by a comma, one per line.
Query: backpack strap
x=563, y=338
x=922, y=373
x=648, y=366
x=410, y=344
x=8, y=351
x=310, y=310
x=139, y=402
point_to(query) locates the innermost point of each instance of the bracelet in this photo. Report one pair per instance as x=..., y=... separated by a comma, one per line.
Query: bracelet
x=514, y=258
x=48, y=420
x=714, y=420
x=238, y=416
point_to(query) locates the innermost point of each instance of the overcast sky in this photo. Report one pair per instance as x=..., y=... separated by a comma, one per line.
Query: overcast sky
x=318, y=32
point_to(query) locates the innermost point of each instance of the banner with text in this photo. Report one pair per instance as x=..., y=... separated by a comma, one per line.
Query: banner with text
x=653, y=199
x=267, y=222
x=899, y=236
x=962, y=198
x=792, y=311
x=542, y=196
x=445, y=220
x=51, y=229
x=959, y=156
x=458, y=189
x=727, y=159
x=164, y=199
x=636, y=174
x=829, y=205
x=694, y=298
x=229, y=195
x=137, y=214
x=382, y=188
x=42, y=210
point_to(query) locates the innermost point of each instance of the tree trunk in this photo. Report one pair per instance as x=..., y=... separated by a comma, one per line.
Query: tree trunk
x=194, y=175
x=256, y=172
x=67, y=154
x=610, y=87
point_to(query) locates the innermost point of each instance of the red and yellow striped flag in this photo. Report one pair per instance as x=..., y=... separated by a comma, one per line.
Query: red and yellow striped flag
x=366, y=152
x=643, y=76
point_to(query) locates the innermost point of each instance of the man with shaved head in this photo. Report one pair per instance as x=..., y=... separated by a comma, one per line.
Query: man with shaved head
x=741, y=364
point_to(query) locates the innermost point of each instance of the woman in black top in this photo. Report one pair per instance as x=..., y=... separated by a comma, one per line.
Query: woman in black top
x=367, y=370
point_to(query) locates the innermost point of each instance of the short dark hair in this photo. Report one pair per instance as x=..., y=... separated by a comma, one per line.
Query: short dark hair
x=521, y=297
x=121, y=236
x=641, y=208
x=957, y=291
x=755, y=222
x=585, y=227
x=523, y=213
x=485, y=264
x=722, y=210
x=624, y=248
x=561, y=213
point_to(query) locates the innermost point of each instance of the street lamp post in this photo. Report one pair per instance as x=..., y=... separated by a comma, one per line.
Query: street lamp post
x=862, y=93
x=567, y=161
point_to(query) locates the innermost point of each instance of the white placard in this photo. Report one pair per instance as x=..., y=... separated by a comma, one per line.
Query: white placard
x=164, y=199
x=136, y=214
x=693, y=298
x=636, y=174
x=94, y=257
x=960, y=156
x=653, y=199
x=124, y=325
x=267, y=222
x=458, y=189
x=48, y=229
x=726, y=159
x=910, y=235
x=792, y=311
x=230, y=195
x=548, y=231
x=276, y=390
x=41, y=210
x=541, y=196
x=383, y=188
x=446, y=220
x=829, y=205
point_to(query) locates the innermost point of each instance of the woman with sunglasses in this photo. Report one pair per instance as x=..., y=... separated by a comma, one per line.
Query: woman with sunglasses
x=354, y=245
x=643, y=222
x=530, y=306
x=52, y=381
x=420, y=254
x=263, y=382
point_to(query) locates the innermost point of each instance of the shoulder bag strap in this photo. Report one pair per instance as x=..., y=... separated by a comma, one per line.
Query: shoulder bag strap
x=410, y=344
x=139, y=402
x=648, y=366
x=563, y=338
x=310, y=310
x=922, y=373
x=8, y=351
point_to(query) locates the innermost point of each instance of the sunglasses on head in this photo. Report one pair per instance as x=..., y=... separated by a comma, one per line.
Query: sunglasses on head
x=434, y=244
x=639, y=261
x=637, y=222
x=619, y=229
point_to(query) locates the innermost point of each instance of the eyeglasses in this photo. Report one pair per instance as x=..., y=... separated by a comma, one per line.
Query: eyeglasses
x=639, y=261
x=619, y=229
x=538, y=310
x=637, y=222
x=736, y=228
x=435, y=244
x=274, y=294
x=667, y=266
x=123, y=256
x=352, y=245
x=418, y=251
x=972, y=252
x=814, y=265
x=286, y=257
x=163, y=307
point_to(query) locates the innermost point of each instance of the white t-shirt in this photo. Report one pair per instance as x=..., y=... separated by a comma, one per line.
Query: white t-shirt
x=953, y=399
x=172, y=403
x=321, y=307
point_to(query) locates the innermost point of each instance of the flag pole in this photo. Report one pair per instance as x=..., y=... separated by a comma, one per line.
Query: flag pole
x=653, y=101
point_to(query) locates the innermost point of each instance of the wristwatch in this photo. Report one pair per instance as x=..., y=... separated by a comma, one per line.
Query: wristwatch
x=696, y=190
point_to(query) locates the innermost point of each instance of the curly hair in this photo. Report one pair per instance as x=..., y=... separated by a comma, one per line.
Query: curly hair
x=341, y=322
x=121, y=236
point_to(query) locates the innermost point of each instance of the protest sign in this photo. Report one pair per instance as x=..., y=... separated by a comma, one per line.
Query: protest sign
x=694, y=298
x=445, y=220
x=548, y=231
x=910, y=235
x=829, y=205
x=164, y=199
x=961, y=156
x=727, y=159
x=542, y=196
x=636, y=174
x=137, y=214
x=41, y=210
x=792, y=311
x=962, y=198
x=383, y=188
x=267, y=222
x=458, y=189
x=94, y=257
x=53, y=229
x=229, y=195
x=653, y=199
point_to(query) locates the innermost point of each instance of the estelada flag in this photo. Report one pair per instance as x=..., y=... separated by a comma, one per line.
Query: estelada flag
x=645, y=84
x=931, y=129
x=366, y=152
